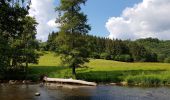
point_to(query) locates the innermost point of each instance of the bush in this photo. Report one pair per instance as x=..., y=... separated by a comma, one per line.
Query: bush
x=112, y=57
x=144, y=80
x=95, y=55
x=167, y=60
x=161, y=57
x=151, y=57
x=106, y=56
x=124, y=58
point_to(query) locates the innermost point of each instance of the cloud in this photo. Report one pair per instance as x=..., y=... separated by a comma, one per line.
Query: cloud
x=44, y=12
x=52, y=23
x=150, y=18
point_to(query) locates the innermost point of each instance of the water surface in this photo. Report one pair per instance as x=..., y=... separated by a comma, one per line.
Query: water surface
x=101, y=92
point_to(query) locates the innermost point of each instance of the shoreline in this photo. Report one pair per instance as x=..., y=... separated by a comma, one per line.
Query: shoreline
x=21, y=82
x=13, y=82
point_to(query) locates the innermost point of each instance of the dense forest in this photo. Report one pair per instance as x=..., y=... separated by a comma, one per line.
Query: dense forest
x=141, y=50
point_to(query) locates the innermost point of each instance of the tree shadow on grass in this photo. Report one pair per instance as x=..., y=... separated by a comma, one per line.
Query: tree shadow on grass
x=113, y=76
x=35, y=72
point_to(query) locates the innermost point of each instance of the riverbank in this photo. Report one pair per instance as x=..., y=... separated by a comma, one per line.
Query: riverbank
x=140, y=74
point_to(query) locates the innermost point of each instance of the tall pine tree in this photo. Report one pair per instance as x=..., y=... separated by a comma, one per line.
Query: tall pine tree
x=73, y=27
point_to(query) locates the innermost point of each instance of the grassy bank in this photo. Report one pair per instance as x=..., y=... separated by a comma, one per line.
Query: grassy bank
x=50, y=65
x=134, y=73
x=99, y=70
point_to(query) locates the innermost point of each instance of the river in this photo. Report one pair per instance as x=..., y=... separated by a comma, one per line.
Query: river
x=101, y=92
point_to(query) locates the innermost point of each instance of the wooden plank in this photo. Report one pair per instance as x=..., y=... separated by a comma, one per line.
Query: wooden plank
x=69, y=81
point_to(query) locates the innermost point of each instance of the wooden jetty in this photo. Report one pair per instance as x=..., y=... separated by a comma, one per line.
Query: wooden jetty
x=69, y=81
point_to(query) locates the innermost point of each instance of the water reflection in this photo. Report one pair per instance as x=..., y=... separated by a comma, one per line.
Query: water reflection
x=52, y=92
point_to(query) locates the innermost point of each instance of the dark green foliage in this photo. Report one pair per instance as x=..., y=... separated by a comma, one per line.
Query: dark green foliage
x=106, y=56
x=17, y=38
x=10, y=29
x=4, y=56
x=104, y=48
x=152, y=57
x=95, y=55
x=159, y=47
x=52, y=41
x=167, y=60
x=140, y=53
x=124, y=58
x=43, y=46
x=161, y=57
x=149, y=40
x=24, y=46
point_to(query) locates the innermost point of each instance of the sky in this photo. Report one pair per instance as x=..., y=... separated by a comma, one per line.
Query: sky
x=122, y=19
x=99, y=11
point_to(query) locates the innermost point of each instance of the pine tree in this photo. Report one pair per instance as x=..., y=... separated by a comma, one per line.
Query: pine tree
x=71, y=40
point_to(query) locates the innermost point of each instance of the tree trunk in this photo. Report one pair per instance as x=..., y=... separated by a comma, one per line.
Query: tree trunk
x=26, y=70
x=73, y=70
x=26, y=67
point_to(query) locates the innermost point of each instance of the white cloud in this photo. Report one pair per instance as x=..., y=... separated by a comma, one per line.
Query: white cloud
x=150, y=18
x=52, y=23
x=44, y=12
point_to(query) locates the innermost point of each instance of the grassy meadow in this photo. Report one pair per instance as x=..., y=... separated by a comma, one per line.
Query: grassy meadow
x=99, y=70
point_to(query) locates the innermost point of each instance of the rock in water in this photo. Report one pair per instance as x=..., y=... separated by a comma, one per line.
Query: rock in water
x=12, y=82
x=37, y=94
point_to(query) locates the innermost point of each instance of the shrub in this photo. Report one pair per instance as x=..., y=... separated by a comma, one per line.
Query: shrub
x=112, y=57
x=95, y=55
x=161, y=57
x=167, y=60
x=151, y=57
x=106, y=56
x=124, y=58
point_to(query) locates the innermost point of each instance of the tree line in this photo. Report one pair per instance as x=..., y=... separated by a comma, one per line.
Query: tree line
x=105, y=48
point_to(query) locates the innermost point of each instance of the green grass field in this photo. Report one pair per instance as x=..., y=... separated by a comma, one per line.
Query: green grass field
x=99, y=70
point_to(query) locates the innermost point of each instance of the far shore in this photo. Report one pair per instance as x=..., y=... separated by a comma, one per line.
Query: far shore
x=57, y=84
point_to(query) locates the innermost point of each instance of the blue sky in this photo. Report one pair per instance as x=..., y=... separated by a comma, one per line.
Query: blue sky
x=99, y=11
x=122, y=19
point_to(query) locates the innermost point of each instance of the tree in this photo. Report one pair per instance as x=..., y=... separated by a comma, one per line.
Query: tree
x=71, y=40
x=12, y=13
x=51, y=42
x=17, y=36
x=4, y=56
x=29, y=42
